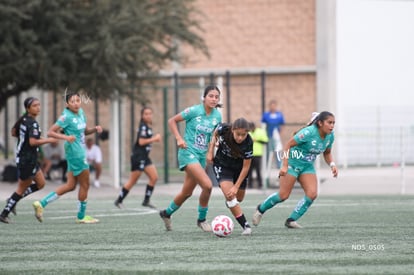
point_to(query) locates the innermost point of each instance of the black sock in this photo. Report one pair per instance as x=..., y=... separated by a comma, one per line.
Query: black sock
x=123, y=194
x=31, y=189
x=242, y=221
x=148, y=192
x=11, y=202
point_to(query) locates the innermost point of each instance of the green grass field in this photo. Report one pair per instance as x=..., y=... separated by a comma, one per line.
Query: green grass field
x=341, y=235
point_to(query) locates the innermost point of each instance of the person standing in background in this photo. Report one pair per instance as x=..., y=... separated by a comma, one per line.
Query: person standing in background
x=273, y=120
x=260, y=139
x=94, y=158
x=54, y=158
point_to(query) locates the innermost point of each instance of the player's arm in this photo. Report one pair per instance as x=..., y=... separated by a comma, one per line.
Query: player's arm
x=243, y=173
x=172, y=124
x=286, y=149
x=34, y=140
x=96, y=129
x=212, y=144
x=327, y=155
x=142, y=141
x=56, y=132
x=38, y=142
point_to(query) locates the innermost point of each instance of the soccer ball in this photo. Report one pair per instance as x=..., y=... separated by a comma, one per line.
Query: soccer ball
x=222, y=226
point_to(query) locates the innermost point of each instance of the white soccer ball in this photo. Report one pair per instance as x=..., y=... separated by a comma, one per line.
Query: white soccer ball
x=222, y=226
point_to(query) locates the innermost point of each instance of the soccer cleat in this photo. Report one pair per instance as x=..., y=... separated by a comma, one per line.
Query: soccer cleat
x=5, y=219
x=204, y=225
x=292, y=224
x=13, y=210
x=257, y=216
x=119, y=204
x=166, y=219
x=38, y=211
x=87, y=220
x=247, y=231
x=148, y=204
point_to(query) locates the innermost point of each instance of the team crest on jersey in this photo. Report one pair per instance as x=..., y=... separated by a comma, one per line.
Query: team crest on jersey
x=198, y=119
x=62, y=118
x=301, y=136
x=214, y=121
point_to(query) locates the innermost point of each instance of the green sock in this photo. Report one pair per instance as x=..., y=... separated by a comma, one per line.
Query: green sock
x=202, y=213
x=81, y=209
x=271, y=201
x=52, y=196
x=301, y=208
x=171, y=208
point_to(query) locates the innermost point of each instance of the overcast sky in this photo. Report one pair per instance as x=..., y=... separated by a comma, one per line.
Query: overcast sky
x=375, y=52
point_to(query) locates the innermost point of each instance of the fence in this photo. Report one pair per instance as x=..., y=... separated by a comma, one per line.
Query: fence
x=245, y=96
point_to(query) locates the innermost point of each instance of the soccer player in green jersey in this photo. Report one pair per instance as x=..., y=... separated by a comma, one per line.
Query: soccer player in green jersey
x=301, y=151
x=201, y=120
x=73, y=124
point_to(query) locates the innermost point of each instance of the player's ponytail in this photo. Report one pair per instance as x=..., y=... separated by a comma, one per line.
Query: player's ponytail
x=320, y=117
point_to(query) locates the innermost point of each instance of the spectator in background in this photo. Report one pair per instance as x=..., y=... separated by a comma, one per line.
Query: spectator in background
x=273, y=120
x=94, y=157
x=260, y=138
x=54, y=158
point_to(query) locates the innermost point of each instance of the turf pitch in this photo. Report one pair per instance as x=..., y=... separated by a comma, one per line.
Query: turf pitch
x=341, y=235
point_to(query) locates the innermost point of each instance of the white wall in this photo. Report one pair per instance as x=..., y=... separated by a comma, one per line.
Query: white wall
x=374, y=79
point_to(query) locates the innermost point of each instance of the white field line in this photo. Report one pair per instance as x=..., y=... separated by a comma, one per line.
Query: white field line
x=145, y=211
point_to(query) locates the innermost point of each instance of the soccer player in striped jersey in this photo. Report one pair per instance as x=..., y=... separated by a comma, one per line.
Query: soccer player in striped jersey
x=231, y=165
x=31, y=178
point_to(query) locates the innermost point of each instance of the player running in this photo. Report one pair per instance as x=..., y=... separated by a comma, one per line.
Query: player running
x=302, y=150
x=201, y=120
x=140, y=161
x=73, y=124
x=31, y=178
x=231, y=165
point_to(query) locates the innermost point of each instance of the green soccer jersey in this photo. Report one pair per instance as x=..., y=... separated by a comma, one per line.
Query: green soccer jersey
x=74, y=125
x=199, y=127
x=309, y=145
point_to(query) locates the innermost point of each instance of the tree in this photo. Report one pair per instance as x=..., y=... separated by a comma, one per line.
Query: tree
x=93, y=45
